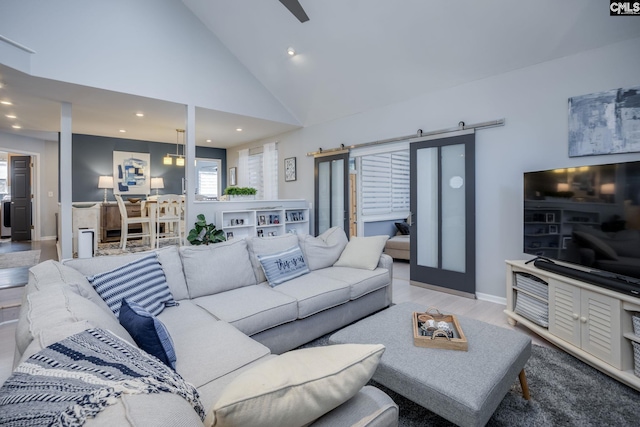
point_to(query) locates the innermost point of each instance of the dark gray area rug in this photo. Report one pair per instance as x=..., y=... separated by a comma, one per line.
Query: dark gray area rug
x=564, y=392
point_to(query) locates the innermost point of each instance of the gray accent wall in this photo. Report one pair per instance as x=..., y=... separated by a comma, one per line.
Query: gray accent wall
x=92, y=156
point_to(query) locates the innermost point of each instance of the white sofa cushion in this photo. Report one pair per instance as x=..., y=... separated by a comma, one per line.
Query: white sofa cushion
x=56, y=306
x=267, y=246
x=315, y=293
x=217, y=268
x=360, y=281
x=296, y=387
x=323, y=251
x=205, y=347
x=251, y=309
x=362, y=252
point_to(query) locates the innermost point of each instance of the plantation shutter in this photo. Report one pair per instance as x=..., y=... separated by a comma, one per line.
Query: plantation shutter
x=385, y=183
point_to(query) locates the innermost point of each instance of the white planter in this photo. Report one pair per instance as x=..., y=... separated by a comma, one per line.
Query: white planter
x=241, y=197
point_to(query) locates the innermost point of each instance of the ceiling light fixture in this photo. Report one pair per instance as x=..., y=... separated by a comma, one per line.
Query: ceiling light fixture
x=10, y=116
x=122, y=131
x=6, y=103
x=16, y=126
x=140, y=114
x=291, y=51
x=208, y=140
x=239, y=129
x=168, y=159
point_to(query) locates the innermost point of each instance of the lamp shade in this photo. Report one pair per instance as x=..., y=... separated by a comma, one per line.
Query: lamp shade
x=608, y=188
x=105, y=182
x=157, y=183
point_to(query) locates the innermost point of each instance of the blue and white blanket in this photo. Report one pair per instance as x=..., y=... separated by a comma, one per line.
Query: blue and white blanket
x=76, y=378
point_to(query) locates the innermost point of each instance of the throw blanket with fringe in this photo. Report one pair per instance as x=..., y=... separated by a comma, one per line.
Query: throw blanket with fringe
x=76, y=378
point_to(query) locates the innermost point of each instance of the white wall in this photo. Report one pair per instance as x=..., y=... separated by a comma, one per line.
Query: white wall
x=533, y=102
x=46, y=176
x=152, y=48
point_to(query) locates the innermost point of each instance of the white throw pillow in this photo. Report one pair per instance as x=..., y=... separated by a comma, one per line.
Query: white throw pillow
x=296, y=387
x=323, y=251
x=362, y=252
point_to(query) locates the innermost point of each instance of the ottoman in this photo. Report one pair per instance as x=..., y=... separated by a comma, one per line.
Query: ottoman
x=465, y=387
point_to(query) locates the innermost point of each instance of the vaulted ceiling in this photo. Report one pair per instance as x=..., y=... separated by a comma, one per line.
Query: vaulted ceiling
x=351, y=56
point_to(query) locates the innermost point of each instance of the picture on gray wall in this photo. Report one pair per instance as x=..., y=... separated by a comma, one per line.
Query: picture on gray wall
x=605, y=122
x=131, y=173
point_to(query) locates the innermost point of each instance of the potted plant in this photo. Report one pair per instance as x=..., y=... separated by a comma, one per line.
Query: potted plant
x=247, y=193
x=203, y=233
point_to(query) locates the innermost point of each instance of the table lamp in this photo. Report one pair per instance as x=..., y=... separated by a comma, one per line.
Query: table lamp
x=157, y=183
x=105, y=182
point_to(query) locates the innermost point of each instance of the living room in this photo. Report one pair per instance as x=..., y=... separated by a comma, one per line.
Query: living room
x=531, y=96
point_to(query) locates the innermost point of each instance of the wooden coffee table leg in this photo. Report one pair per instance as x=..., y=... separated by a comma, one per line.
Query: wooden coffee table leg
x=523, y=384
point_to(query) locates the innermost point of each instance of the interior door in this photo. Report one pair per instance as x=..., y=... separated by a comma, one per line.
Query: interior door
x=443, y=207
x=332, y=192
x=20, y=198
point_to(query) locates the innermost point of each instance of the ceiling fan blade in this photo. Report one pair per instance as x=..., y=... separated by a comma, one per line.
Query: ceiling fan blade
x=295, y=8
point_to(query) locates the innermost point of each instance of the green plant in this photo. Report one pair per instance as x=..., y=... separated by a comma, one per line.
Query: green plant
x=203, y=233
x=240, y=191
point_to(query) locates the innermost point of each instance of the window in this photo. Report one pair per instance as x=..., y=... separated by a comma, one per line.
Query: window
x=3, y=176
x=261, y=171
x=385, y=183
x=208, y=175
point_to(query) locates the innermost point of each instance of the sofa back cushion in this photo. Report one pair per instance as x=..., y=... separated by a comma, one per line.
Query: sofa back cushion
x=168, y=257
x=268, y=246
x=53, y=273
x=56, y=306
x=323, y=251
x=217, y=268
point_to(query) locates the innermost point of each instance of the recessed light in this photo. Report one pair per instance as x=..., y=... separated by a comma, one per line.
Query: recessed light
x=291, y=51
x=10, y=116
x=208, y=140
x=122, y=131
x=16, y=126
x=140, y=114
x=6, y=103
x=239, y=129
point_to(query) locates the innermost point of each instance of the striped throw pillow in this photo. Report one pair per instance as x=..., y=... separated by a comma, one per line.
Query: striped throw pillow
x=283, y=266
x=142, y=281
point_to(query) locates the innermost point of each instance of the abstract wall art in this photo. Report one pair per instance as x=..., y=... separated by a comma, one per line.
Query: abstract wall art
x=131, y=173
x=605, y=122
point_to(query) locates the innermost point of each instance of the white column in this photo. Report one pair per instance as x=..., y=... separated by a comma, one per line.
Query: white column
x=190, y=172
x=66, y=230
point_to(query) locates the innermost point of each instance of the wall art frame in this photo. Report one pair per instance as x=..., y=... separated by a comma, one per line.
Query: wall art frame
x=605, y=122
x=290, y=169
x=131, y=174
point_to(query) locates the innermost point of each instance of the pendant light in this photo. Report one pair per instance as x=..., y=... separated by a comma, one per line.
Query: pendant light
x=168, y=159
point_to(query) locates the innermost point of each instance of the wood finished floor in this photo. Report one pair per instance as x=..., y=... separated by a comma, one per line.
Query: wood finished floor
x=402, y=292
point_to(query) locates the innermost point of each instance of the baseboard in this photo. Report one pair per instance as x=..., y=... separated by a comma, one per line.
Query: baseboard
x=48, y=238
x=491, y=298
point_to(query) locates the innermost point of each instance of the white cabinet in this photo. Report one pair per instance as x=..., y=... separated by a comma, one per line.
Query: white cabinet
x=590, y=322
x=262, y=222
x=297, y=221
x=585, y=319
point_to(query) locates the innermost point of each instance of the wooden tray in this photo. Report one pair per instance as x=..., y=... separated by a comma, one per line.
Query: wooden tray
x=439, y=340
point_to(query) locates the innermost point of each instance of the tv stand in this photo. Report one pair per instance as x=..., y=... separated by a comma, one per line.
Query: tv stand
x=591, y=322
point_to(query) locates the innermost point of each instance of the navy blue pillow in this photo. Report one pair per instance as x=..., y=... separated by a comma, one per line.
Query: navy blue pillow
x=148, y=332
x=403, y=228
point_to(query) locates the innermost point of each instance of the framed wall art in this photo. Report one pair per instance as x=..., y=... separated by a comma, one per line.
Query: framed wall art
x=131, y=173
x=290, y=169
x=605, y=122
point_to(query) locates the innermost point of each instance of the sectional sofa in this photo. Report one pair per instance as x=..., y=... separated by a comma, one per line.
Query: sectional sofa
x=230, y=328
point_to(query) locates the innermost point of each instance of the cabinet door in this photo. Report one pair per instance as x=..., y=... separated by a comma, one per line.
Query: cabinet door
x=564, y=311
x=600, y=320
